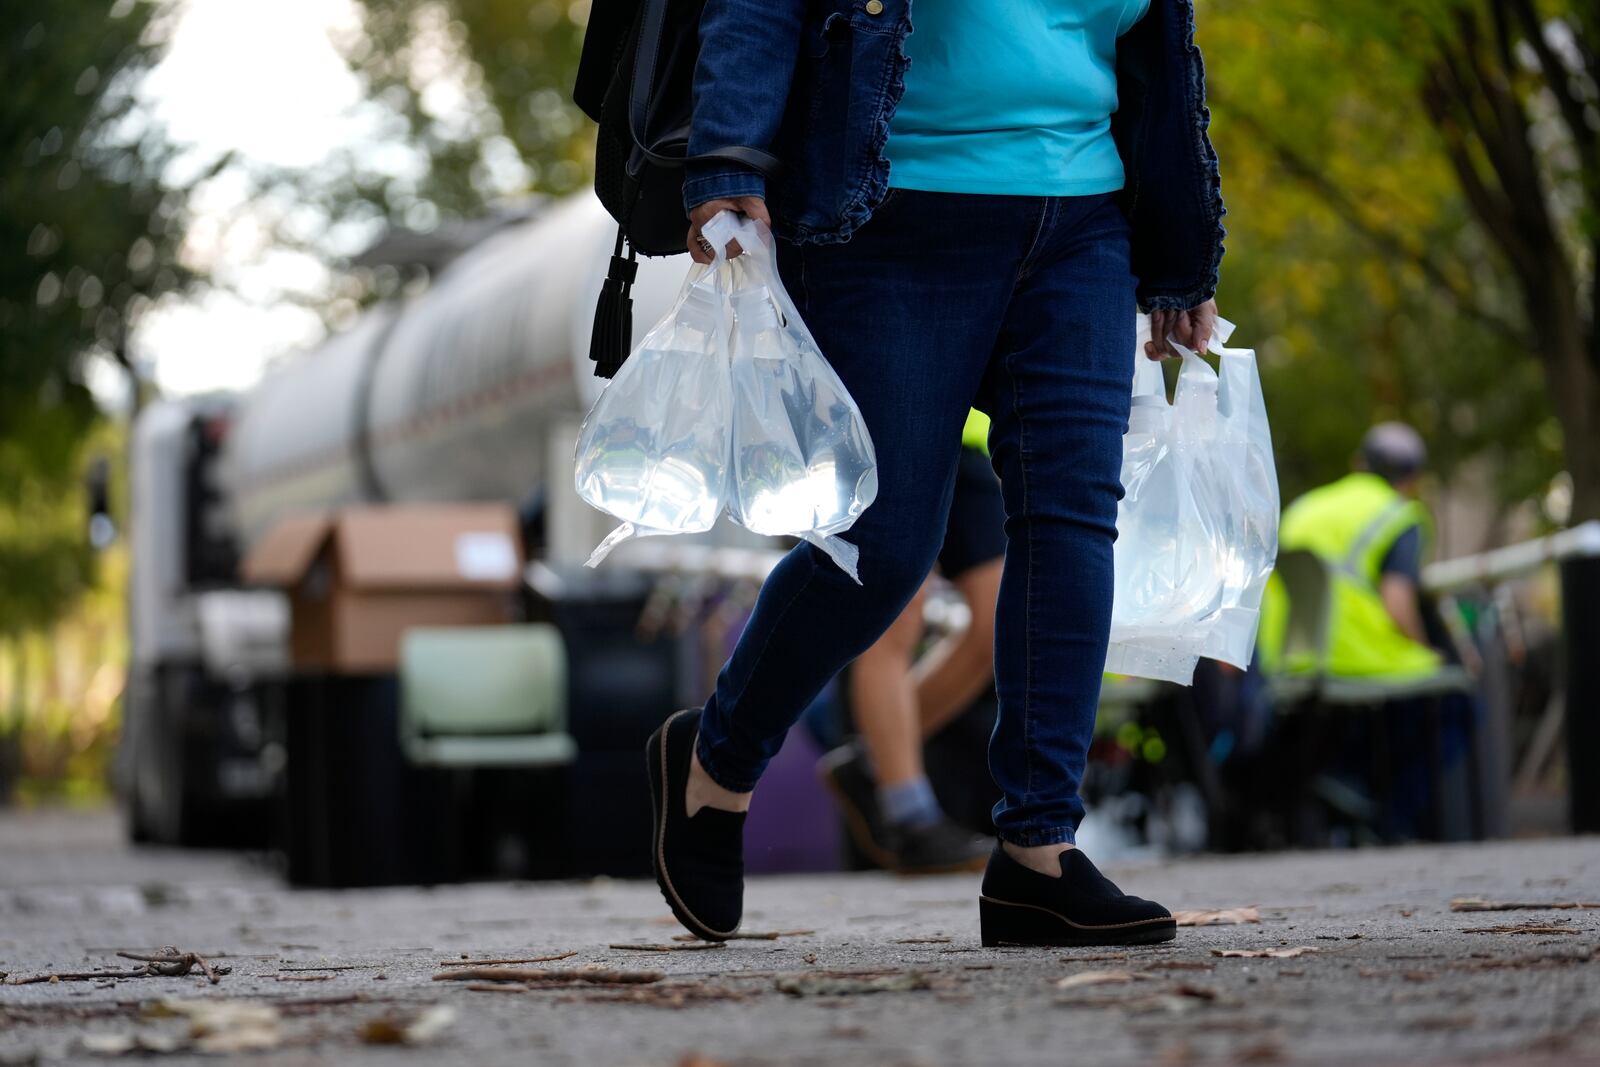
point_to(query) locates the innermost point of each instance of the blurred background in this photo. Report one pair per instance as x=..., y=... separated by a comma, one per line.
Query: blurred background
x=268, y=259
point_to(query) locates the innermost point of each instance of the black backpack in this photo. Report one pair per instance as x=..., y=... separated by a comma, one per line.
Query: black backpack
x=635, y=78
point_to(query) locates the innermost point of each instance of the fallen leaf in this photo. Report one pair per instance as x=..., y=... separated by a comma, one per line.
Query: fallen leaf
x=225, y=1025
x=1263, y=953
x=1223, y=917
x=109, y=1044
x=824, y=985
x=1088, y=978
x=677, y=995
x=1261, y=1052
x=416, y=1029
x=1479, y=904
x=1525, y=928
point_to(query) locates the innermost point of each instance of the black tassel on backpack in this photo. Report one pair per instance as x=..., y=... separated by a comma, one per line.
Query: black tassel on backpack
x=635, y=78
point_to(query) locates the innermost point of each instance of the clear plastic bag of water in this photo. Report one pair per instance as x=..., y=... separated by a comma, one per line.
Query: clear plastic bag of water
x=803, y=462
x=1197, y=529
x=728, y=404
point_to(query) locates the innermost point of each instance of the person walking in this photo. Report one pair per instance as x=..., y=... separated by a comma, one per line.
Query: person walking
x=969, y=215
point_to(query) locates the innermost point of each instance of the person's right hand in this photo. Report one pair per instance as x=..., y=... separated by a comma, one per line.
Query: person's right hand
x=753, y=206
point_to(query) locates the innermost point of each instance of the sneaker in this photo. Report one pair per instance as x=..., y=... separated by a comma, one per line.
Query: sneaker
x=1020, y=906
x=936, y=848
x=698, y=861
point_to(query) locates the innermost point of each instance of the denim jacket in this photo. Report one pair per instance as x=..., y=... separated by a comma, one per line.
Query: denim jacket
x=816, y=82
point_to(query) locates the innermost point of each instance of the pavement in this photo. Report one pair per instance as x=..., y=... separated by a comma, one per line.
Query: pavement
x=1376, y=967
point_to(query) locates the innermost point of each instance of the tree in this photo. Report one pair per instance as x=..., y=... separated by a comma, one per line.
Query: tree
x=91, y=236
x=1455, y=141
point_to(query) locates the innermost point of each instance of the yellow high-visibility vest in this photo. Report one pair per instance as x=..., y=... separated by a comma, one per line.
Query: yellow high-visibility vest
x=975, y=434
x=1351, y=524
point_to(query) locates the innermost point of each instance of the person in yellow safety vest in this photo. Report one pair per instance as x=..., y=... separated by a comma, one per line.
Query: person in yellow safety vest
x=898, y=702
x=1370, y=530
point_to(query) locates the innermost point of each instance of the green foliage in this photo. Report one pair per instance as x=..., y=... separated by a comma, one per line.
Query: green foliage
x=1360, y=260
x=1337, y=188
x=482, y=88
x=88, y=237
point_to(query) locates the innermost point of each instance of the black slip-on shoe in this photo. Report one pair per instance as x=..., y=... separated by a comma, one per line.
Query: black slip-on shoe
x=699, y=861
x=1019, y=906
x=939, y=847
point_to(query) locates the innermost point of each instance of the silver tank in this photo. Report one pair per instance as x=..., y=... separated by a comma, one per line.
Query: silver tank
x=448, y=396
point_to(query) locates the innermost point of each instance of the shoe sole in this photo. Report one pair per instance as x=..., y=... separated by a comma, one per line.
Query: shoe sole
x=1005, y=922
x=655, y=758
x=861, y=834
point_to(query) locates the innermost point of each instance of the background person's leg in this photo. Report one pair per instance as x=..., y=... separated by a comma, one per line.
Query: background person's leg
x=1058, y=390
x=957, y=672
x=885, y=700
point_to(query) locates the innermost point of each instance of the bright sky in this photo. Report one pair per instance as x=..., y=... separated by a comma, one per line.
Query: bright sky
x=263, y=79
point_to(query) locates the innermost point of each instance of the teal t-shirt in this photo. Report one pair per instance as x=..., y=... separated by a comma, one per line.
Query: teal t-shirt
x=1011, y=96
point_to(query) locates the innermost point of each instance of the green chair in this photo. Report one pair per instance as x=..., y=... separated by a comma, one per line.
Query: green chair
x=1309, y=587
x=1308, y=583
x=485, y=696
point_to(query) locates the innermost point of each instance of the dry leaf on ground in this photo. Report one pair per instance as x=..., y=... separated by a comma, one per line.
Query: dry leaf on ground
x=408, y=1029
x=1088, y=978
x=220, y=1026
x=824, y=985
x=1222, y=917
x=1263, y=953
x=141, y=1041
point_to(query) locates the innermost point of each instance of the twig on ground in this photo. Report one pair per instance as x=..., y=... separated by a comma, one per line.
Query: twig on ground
x=1479, y=904
x=598, y=976
x=170, y=964
x=529, y=959
x=752, y=935
x=683, y=946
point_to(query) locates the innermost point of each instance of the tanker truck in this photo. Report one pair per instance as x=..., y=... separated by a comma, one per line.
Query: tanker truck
x=466, y=396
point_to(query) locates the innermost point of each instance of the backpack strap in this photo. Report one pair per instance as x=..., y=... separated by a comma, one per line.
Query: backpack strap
x=651, y=27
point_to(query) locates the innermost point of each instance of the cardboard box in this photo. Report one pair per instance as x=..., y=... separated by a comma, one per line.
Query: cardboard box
x=358, y=578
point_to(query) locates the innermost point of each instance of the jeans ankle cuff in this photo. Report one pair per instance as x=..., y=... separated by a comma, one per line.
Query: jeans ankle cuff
x=721, y=773
x=1063, y=835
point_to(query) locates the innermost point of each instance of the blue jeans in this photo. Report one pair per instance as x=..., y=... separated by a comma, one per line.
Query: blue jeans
x=1023, y=307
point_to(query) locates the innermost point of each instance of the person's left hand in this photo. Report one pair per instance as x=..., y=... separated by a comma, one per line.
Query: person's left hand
x=1192, y=329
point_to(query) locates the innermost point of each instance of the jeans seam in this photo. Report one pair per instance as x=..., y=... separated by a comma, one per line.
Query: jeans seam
x=1027, y=589
x=1049, y=204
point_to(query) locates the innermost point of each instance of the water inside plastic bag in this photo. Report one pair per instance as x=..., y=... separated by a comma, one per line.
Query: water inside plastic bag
x=654, y=449
x=801, y=461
